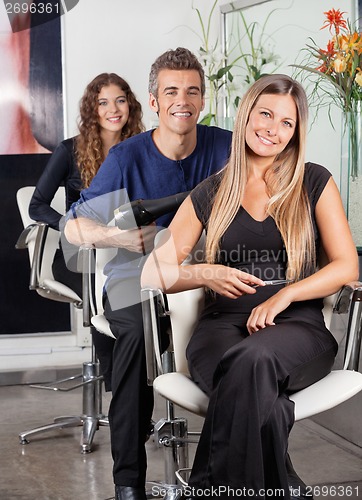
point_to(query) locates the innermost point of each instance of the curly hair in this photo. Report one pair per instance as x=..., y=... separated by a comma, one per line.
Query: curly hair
x=88, y=144
x=178, y=59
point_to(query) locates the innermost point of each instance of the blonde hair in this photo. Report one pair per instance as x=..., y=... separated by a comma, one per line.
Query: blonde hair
x=288, y=204
x=89, y=146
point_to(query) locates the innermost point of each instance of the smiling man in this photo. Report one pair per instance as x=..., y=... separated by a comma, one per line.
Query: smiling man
x=173, y=158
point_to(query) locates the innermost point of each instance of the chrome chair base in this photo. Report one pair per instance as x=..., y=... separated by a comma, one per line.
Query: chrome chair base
x=163, y=490
x=170, y=433
x=92, y=417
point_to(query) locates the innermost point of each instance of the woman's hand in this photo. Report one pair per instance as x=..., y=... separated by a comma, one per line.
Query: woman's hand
x=229, y=282
x=264, y=314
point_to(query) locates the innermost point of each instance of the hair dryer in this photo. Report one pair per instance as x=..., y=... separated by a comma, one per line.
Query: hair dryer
x=139, y=213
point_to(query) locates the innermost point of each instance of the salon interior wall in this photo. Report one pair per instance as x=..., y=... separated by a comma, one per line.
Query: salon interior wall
x=126, y=37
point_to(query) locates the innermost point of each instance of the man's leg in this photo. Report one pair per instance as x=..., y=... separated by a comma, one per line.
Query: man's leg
x=132, y=399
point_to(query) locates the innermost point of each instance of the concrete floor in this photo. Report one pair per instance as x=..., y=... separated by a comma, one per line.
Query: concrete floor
x=51, y=467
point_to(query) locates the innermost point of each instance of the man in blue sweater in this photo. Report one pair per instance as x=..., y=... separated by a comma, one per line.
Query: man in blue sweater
x=172, y=158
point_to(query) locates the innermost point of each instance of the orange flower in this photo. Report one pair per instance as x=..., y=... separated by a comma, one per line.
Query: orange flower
x=330, y=52
x=339, y=74
x=339, y=64
x=334, y=20
x=351, y=43
x=358, y=78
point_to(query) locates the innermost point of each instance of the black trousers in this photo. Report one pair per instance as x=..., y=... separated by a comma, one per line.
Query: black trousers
x=244, y=439
x=102, y=343
x=131, y=406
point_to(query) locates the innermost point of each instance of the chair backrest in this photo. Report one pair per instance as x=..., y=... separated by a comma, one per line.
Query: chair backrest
x=185, y=308
x=103, y=256
x=23, y=197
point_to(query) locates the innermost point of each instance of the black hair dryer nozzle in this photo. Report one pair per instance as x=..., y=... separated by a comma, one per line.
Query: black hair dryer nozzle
x=139, y=213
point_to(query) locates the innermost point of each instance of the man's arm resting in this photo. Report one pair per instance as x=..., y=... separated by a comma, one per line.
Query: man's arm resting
x=83, y=231
x=87, y=232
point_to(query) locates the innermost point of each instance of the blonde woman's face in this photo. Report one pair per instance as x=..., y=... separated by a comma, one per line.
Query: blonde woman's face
x=113, y=108
x=272, y=123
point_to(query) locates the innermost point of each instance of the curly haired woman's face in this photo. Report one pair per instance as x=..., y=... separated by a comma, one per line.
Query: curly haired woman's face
x=113, y=108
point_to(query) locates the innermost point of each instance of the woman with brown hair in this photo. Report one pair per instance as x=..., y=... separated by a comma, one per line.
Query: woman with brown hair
x=261, y=335
x=109, y=114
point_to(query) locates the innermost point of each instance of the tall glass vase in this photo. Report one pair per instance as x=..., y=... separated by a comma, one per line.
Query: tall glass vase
x=351, y=171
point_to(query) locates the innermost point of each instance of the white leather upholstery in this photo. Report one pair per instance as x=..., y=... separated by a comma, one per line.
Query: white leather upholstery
x=101, y=324
x=185, y=308
x=47, y=286
x=330, y=391
x=181, y=390
x=98, y=320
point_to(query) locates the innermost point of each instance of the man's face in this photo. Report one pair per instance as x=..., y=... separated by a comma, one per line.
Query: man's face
x=179, y=101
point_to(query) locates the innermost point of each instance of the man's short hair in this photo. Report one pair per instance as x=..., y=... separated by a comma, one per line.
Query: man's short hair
x=178, y=59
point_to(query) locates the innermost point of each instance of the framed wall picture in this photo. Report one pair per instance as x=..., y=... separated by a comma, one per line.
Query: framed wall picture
x=31, y=117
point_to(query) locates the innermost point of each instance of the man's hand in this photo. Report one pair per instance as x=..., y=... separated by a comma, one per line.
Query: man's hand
x=140, y=240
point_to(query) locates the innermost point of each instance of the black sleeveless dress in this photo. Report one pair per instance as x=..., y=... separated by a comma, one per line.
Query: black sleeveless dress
x=248, y=377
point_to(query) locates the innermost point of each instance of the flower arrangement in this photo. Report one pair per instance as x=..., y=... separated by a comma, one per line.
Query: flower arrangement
x=336, y=74
x=248, y=59
x=217, y=73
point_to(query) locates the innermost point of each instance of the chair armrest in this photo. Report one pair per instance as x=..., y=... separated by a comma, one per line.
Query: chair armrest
x=349, y=300
x=348, y=293
x=86, y=260
x=22, y=242
x=153, y=307
x=354, y=331
x=41, y=235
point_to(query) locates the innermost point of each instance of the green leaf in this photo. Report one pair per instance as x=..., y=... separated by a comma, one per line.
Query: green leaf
x=207, y=119
x=223, y=71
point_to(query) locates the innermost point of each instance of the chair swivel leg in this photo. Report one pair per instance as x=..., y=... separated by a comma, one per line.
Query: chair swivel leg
x=59, y=423
x=92, y=404
x=92, y=416
x=172, y=434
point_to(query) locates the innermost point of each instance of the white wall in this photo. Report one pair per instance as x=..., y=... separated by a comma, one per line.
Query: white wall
x=126, y=37
x=123, y=37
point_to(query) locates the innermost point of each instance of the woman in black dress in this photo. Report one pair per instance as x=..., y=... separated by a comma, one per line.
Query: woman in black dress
x=266, y=217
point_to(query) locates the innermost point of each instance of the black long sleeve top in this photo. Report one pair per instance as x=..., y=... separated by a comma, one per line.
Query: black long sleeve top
x=61, y=169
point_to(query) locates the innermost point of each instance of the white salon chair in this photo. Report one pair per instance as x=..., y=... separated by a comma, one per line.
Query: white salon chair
x=172, y=380
x=41, y=243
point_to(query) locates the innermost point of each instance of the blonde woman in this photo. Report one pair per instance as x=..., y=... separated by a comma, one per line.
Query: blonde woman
x=266, y=216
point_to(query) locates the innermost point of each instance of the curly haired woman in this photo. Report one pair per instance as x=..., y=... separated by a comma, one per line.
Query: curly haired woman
x=109, y=114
